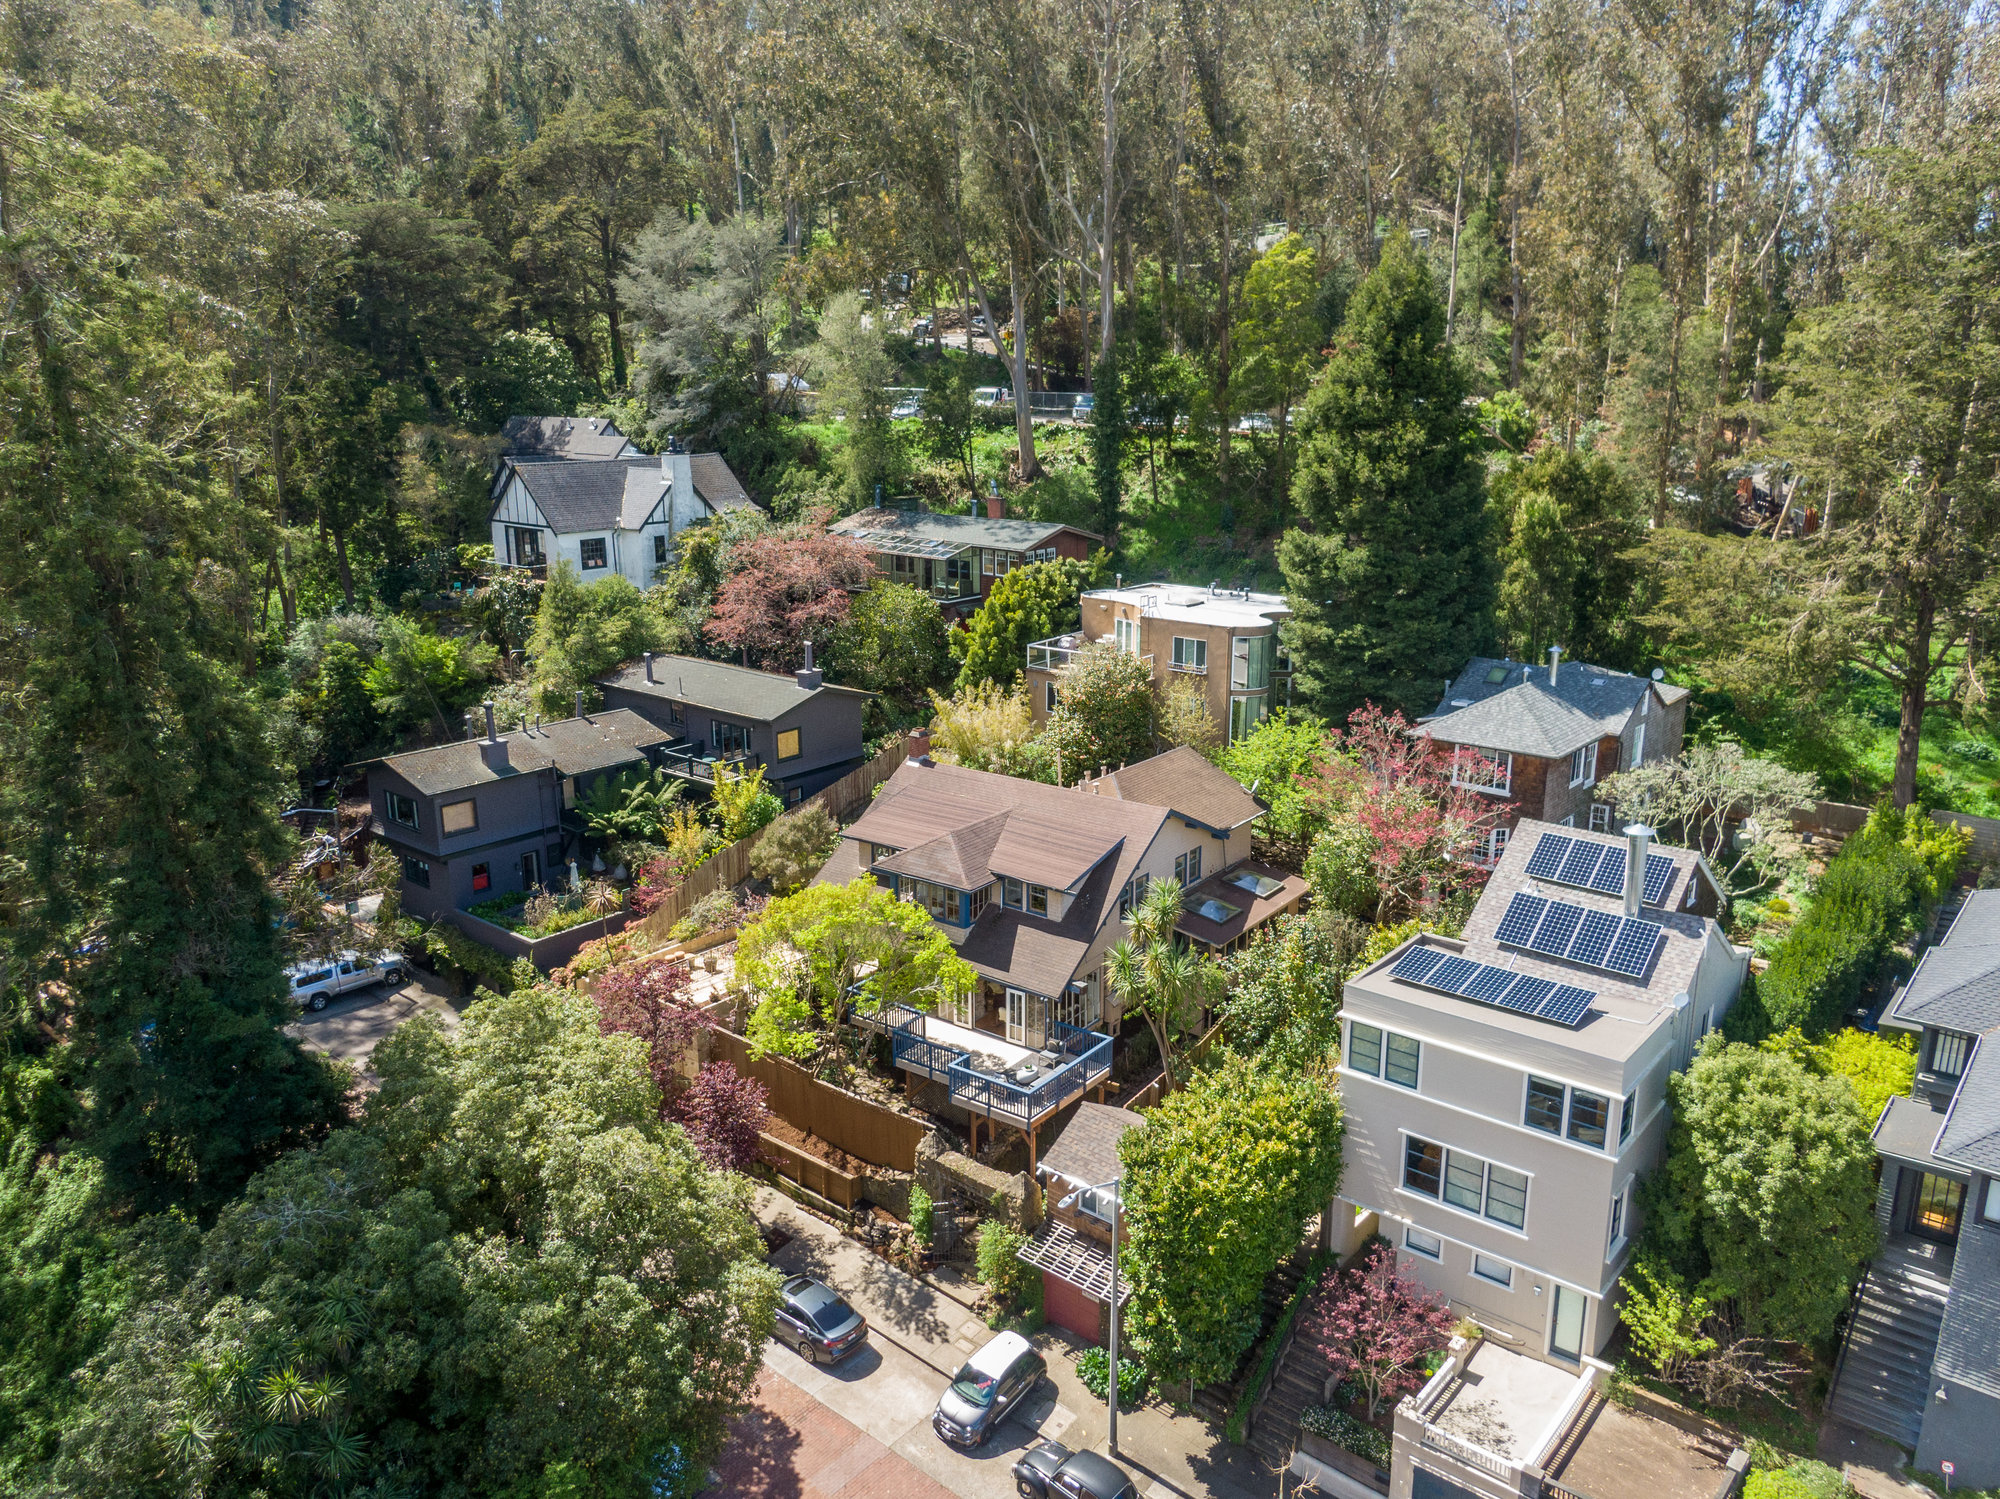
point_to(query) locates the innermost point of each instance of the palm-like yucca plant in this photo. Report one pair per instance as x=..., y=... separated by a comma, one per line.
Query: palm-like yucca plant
x=633, y=805
x=1160, y=977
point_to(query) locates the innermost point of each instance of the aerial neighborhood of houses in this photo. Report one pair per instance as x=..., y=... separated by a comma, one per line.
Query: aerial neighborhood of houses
x=1513, y=1051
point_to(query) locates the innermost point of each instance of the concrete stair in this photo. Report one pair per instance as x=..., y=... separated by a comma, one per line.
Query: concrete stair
x=1885, y=1364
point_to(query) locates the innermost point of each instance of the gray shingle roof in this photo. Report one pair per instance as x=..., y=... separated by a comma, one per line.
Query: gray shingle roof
x=1180, y=779
x=570, y=746
x=1968, y=1351
x=1907, y=1129
x=1522, y=714
x=1971, y=1134
x=587, y=496
x=762, y=696
x=958, y=530
x=1086, y=1152
x=1957, y=983
x=575, y=437
x=717, y=483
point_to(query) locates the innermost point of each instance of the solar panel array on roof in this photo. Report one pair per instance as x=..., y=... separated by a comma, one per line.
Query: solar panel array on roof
x=1563, y=860
x=1623, y=945
x=1564, y=1004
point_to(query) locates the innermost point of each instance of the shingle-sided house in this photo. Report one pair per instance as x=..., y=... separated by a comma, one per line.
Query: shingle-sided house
x=1922, y=1361
x=485, y=817
x=1506, y=1091
x=606, y=516
x=1539, y=739
x=804, y=731
x=958, y=558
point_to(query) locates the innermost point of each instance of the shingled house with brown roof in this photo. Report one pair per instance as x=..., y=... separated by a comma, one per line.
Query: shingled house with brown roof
x=1540, y=739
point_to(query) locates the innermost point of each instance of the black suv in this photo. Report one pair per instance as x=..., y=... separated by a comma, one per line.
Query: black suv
x=1051, y=1471
x=816, y=1322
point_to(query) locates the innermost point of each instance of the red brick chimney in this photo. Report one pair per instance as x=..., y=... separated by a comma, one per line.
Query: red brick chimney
x=996, y=507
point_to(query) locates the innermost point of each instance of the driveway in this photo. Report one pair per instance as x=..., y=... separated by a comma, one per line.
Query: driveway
x=353, y=1025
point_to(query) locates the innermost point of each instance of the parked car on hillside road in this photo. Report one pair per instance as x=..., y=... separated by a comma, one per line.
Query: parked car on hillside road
x=1050, y=1470
x=995, y=1380
x=820, y=1326
x=315, y=984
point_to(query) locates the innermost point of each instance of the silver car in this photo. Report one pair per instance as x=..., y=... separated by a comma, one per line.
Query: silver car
x=993, y=1382
x=316, y=983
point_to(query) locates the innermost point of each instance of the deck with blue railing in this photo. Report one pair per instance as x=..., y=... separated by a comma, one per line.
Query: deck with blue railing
x=1028, y=1085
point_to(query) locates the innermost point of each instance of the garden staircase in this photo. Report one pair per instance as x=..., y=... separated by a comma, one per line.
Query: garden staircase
x=1217, y=1402
x=1883, y=1378
x=1297, y=1386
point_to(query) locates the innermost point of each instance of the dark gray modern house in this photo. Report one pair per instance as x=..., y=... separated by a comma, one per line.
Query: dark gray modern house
x=804, y=731
x=1922, y=1360
x=491, y=816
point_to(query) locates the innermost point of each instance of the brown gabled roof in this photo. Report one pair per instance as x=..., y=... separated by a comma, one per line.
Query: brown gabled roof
x=962, y=858
x=1029, y=952
x=1053, y=835
x=1182, y=781
x=1250, y=909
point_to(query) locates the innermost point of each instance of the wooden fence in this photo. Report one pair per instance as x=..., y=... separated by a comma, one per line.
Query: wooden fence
x=1154, y=1090
x=728, y=867
x=810, y=1172
x=864, y=1130
x=1843, y=819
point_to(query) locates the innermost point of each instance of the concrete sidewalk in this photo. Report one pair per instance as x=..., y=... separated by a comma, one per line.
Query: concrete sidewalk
x=1170, y=1454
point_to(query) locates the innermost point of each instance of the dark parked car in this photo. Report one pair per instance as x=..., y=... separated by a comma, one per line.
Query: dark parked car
x=1052, y=1471
x=816, y=1322
x=993, y=1382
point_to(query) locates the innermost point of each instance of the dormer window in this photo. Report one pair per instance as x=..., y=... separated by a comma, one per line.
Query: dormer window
x=1948, y=1053
x=1038, y=900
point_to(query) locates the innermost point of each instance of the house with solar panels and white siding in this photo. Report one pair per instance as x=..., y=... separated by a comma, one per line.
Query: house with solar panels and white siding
x=1506, y=1090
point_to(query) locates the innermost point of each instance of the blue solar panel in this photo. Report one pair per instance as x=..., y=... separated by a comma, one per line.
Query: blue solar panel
x=1566, y=1006
x=1525, y=994
x=1609, y=876
x=1548, y=856
x=1632, y=953
x=1415, y=966
x=1524, y=914
x=1553, y=935
x=1488, y=985
x=1593, y=939
x=1659, y=873
x=1580, y=864
x=1452, y=975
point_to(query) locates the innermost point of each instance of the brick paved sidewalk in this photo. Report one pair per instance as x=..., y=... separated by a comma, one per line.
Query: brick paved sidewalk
x=789, y=1446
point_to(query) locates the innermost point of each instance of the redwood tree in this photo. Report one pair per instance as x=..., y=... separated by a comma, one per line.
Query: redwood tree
x=1375, y=1326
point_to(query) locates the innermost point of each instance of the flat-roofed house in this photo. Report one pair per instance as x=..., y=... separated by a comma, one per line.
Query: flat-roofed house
x=1506, y=1090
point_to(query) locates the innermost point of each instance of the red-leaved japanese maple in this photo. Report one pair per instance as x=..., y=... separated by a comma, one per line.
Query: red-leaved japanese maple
x=723, y=1112
x=787, y=589
x=1375, y=1326
x=1420, y=830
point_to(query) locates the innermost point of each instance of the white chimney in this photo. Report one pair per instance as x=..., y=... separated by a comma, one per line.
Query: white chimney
x=681, y=500
x=1638, y=840
x=1555, y=660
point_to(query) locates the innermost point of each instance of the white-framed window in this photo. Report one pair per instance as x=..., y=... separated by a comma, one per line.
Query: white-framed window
x=1013, y=893
x=1618, y=1219
x=879, y=851
x=1583, y=766
x=981, y=899
x=1600, y=818
x=1125, y=635
x=1498, y=1271
x=1430, y=1246
x=592, y=554
x=1384, y=1054
x=1948, y=1053
x=1038, y=900
x=1645, y=701
x=1079, y=1005
x=1626, y=1111
x=1990, y=1210
x=402, y=809
x=1491, y=771
x=1187, y=868
x=1496, y=844
x=1639, y=745
x=1190, y=653
x=459, y=817
x=1568, y=822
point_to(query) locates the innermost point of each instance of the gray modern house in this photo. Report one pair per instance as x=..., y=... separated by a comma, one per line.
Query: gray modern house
x=804, y=731
x=1922, y=1360
x=1506, y=1091
x=487, y=817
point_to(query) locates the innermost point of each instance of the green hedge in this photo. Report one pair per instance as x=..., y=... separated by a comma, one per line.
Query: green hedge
x=1884, y=882
x=1316, y=1267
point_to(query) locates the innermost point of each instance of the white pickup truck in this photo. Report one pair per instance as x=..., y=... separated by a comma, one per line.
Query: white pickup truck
x=315, y=983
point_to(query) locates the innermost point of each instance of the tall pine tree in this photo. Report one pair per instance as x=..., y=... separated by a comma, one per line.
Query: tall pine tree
x=1392, y=578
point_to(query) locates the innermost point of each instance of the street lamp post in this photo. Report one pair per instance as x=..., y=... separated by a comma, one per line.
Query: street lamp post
x=1117, y=1211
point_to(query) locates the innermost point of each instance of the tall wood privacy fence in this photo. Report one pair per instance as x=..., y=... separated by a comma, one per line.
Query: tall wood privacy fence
x=1843, y=819
x=729, y=867
x=866, y=1130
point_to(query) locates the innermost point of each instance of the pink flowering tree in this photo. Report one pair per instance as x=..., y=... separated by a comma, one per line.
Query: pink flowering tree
x=1400, y=834
x=1375, y=1327
x=721, y=1110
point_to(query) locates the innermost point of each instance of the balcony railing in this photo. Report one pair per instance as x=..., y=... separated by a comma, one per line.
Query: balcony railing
x=1082, y=1060
x=689, y=759
x=1189, y=669
x=1053, y=654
